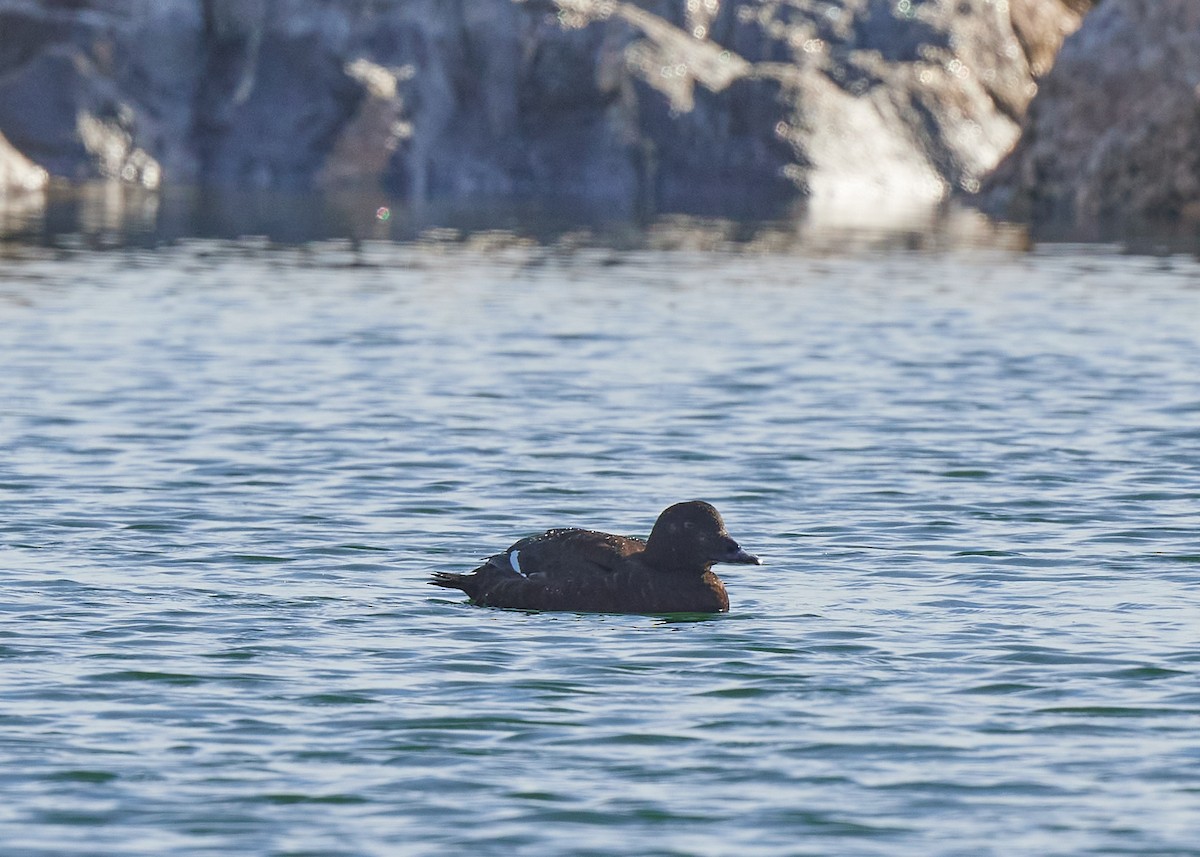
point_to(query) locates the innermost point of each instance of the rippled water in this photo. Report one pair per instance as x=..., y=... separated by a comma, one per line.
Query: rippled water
x=228, y=469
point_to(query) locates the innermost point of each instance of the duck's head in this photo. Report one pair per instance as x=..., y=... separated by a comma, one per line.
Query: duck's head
x=691, y=536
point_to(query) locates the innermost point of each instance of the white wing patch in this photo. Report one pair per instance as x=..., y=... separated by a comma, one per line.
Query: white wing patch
x=513, y=561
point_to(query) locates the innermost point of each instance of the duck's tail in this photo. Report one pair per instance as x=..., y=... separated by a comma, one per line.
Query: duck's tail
x=449, y=580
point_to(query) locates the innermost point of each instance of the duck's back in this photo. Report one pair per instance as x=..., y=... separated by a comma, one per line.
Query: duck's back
x=559, y=555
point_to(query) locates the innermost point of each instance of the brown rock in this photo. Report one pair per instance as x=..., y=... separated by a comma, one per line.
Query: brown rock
x=1114, y=133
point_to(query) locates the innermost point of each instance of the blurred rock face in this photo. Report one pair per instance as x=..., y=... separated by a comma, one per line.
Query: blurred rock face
x=721, y=106
x=1114, y=134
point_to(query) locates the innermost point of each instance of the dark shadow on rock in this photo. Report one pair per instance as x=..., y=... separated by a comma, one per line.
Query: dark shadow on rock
x=269, y=110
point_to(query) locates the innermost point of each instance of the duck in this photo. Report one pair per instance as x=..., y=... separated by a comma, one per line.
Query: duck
x=586, y=571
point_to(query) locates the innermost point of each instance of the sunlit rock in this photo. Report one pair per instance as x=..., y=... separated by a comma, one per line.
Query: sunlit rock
x=18, y=174
x=854, y=106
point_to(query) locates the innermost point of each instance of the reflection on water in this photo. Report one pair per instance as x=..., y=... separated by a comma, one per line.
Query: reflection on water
x=104, y=214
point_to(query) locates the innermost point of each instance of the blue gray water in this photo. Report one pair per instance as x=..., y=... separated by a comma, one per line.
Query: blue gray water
x=229, y=467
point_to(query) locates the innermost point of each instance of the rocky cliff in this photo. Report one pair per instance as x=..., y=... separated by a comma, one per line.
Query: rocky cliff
x=730, y=106
x=1114, y=135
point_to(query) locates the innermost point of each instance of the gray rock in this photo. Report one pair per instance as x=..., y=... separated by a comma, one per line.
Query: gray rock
x=857, y=107
x=1113, y=136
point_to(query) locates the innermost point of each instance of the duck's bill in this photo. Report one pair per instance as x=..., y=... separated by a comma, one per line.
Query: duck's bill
x=742, y=557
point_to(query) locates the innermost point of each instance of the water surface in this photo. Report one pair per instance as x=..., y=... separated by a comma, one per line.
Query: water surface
x=230, y=466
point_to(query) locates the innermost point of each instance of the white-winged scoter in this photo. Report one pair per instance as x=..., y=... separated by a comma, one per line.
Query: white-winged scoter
x=587, y=571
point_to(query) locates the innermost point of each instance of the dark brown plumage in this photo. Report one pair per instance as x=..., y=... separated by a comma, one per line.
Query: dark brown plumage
x=587, y=571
